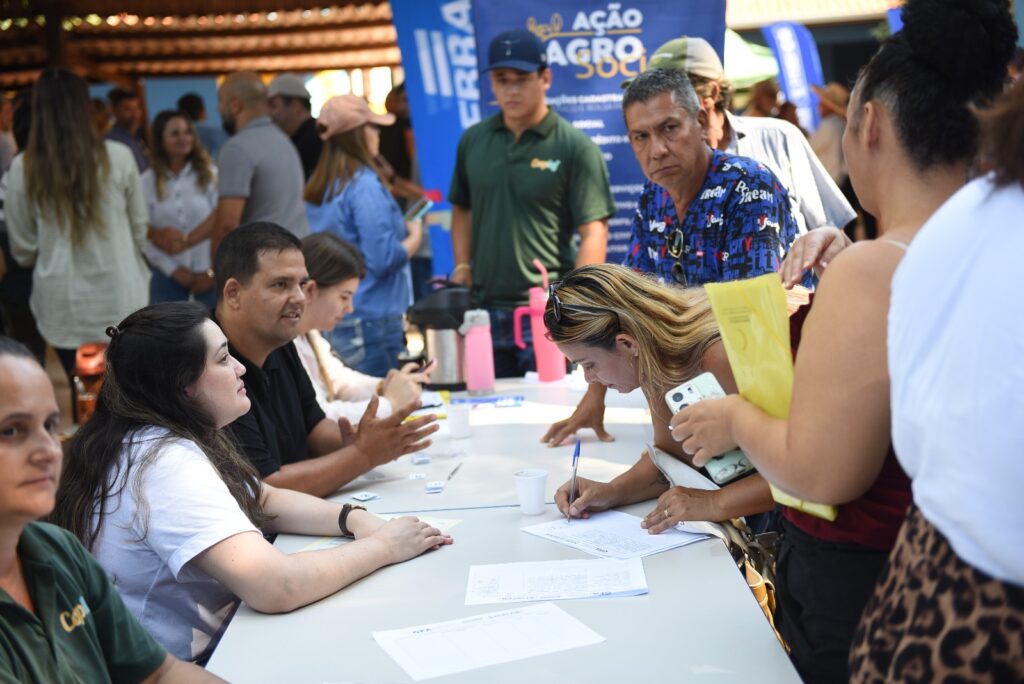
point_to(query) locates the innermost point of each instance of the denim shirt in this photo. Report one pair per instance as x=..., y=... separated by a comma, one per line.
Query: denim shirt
x=365, y=214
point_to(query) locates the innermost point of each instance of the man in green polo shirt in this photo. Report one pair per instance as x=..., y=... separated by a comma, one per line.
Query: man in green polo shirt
x=525, y=180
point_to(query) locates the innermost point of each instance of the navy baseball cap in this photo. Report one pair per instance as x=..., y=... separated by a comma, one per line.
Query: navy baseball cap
x=517, y=49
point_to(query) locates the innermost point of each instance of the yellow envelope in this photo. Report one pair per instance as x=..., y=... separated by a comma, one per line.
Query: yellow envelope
x=754, y=322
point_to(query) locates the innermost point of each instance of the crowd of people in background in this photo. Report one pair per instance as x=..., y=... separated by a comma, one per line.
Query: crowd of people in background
x=269, y=264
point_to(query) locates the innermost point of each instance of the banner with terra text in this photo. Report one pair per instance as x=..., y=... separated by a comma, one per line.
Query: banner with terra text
x=592, y=48
x=799, y=68
x=441, y=82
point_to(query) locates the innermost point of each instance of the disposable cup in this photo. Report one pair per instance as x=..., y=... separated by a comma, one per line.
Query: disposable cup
x=458, y=421
x=531, y=484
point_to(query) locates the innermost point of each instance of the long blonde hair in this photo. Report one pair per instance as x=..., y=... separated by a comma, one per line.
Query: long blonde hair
x=341, y=157
x=198, y=157
x=66, y=161
x=674, y=327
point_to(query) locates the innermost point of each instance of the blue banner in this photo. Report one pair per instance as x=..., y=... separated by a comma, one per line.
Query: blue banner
x=895, y=19
x=799, y=68
x=591, y=50
x=441, y=81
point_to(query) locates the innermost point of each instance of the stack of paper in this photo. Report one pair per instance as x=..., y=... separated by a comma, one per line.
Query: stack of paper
x=553, y=580
x=612, y=534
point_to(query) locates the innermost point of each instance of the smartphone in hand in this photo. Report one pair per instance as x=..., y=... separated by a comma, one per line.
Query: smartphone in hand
x=419, y=209
x=728, y=466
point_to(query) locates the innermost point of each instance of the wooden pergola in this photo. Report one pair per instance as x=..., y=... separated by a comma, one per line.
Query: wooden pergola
x=122, y=41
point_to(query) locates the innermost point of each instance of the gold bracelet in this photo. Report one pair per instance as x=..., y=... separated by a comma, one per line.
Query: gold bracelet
x=462, y=267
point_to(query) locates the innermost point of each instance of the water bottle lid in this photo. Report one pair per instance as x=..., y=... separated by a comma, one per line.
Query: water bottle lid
x=475, y=318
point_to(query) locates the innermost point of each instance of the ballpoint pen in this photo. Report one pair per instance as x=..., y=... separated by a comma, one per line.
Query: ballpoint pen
x=572, y=483
x=454, y=470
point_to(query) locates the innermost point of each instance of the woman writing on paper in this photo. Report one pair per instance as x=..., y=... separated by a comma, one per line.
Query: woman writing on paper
x=176, y=516
x=909, y=143
x=626, y=331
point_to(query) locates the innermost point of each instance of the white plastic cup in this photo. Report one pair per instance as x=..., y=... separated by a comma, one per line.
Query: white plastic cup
x=531, y=485
x=458, y=421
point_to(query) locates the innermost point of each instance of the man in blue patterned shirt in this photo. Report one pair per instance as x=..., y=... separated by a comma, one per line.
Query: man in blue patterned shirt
x=721, y=217
x=737, y=219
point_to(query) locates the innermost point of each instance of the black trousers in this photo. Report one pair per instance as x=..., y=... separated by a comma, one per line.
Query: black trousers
x=821, y=590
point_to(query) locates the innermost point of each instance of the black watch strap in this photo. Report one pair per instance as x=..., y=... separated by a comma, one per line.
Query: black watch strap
x=343, y=518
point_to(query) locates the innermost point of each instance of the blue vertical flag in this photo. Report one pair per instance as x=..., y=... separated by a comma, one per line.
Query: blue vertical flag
x=438, y=49
x=799, y=67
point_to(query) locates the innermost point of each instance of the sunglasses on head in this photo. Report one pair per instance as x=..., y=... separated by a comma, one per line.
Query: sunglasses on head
x=557, y=307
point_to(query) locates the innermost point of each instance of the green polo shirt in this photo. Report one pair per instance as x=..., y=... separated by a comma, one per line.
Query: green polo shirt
x=527, y=198
x=81, y=630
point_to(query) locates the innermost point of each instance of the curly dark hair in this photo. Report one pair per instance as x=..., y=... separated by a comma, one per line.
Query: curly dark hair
x=949, y=54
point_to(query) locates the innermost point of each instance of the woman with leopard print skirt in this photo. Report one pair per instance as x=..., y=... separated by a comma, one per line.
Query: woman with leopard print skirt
x=950, y=605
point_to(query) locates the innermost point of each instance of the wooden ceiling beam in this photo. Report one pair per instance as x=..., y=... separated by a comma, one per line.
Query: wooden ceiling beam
x=180, y=8
x=229, y=43
x=298, y=62
x=255, y=52
x=169, y=33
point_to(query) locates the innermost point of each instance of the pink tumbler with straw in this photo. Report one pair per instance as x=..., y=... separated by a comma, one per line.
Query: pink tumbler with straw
x=550, y=361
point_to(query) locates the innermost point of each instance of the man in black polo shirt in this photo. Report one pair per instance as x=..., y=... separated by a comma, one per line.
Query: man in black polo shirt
x=260, y=272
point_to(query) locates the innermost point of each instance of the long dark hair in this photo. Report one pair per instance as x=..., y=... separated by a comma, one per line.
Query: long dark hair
x=1003, y=136
x=154, y=356
x=66, y=162
x=199, y=157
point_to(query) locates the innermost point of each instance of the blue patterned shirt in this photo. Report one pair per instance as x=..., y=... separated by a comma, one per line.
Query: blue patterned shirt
x=739, y=225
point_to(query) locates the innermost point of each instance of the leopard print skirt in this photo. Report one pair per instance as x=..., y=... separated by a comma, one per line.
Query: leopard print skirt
x=935, y=618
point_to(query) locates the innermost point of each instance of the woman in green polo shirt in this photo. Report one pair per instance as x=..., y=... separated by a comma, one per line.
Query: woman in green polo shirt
x=60, y=618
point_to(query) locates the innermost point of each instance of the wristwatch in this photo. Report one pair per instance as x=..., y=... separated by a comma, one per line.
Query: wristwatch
x=343, y=519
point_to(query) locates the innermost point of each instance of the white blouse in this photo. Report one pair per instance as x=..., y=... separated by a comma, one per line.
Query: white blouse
x=340, y=391
x=184, y=206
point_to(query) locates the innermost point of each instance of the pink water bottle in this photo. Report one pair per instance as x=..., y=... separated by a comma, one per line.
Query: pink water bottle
x=550, y=361
x=478, y=360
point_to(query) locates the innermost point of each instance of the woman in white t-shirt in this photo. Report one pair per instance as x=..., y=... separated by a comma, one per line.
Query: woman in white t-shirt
x=176, y=516
x=181, y=193
x=335, y=268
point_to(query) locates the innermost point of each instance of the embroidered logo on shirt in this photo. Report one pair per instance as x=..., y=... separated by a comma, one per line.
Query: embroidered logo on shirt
x=546, y=164
x=74, y=618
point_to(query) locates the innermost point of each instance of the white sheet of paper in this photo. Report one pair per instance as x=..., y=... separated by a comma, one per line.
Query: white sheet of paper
x=612, y=534
x=445, y=648
x=553, y=580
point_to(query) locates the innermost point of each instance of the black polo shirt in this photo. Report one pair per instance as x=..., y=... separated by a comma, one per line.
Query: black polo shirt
x=307, y=141
x=284, y=411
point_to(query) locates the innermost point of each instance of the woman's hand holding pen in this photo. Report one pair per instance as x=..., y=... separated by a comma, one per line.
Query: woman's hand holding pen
x=591, y=497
